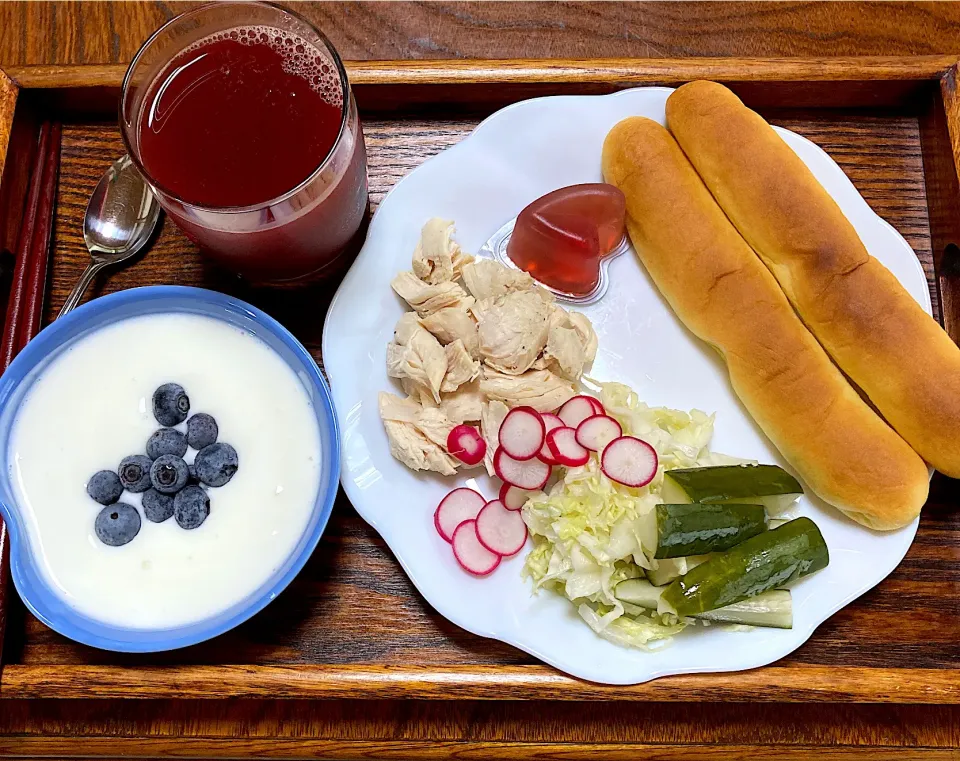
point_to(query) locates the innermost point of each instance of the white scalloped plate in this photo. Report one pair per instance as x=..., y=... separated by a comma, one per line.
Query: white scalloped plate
x=512, y=158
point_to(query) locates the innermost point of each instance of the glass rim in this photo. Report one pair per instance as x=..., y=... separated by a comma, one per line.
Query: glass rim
x=135, y=154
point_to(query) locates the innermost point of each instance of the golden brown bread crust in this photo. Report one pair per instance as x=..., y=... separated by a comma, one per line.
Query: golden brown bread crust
x=716, y=284
x=902, y=359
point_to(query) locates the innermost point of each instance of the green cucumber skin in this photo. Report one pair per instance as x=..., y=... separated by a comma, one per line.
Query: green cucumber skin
x=766, y=561
x=696, y=529
x=731, y=483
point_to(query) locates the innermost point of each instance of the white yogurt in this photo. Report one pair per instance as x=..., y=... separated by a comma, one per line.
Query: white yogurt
x=92, y=406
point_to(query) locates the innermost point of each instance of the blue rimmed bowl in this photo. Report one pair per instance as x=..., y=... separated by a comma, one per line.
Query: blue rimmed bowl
x=37, y=593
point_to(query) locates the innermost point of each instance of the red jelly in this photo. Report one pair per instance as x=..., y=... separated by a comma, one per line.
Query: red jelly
x=561, y=237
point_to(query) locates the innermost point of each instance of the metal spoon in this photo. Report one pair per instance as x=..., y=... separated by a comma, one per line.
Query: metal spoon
x=120, y=218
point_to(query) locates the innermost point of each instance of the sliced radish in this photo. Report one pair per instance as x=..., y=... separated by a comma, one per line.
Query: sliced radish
x=576, y=410
x=550, y=421
x=501, y=530
x=514, y=498
x=470, y=554
x=524, y=474
x=596, y=432
x=597, y=406
x=522, y=432
x=458, y=506
x=629, y=461
x=564, y=447
x=466, y=444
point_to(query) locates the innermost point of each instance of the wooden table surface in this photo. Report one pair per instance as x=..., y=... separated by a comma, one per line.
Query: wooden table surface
x=96, y=32
x=103, y=32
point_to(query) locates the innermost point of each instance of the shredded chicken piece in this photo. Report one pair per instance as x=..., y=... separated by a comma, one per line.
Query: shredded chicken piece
x=461, y=367
x=588, y=336
x=407, y=326
x=453, y=323
x=427, y=298
x=438, y=257
x=491, y=417
x=416, y=355
x=543, y=363
x=513, y=331
x=487, y=279
x=571, y=344
x=412, y=431
x=566, y=351
x=417, y=392
x=397, y=409
x=464, y=404
x=436, y=426
x=466, y=358
x=541, y=389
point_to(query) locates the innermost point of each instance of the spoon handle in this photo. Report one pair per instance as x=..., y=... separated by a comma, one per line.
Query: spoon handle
x=77, y=293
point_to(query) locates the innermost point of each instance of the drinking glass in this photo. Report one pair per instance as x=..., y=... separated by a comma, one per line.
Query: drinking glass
x=308, y=232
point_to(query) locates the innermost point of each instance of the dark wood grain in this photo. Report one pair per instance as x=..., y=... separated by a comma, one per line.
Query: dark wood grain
x=503, y=730
x=898, y=644
x=104, y=32
x=940, y=135
x=8, y=99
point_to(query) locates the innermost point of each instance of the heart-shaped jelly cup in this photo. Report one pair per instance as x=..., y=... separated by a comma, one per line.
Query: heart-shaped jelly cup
x=564, y=238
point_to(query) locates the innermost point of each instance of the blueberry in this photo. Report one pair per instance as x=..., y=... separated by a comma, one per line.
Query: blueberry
x=170, y=404
x=156, y=506
x=192, y=474
x=191, y=507
x=202, y=430
x=216, y=464
x=104, y=486
x=134, y=472
x=166, y=441
x=117, y=524
x=168, y=474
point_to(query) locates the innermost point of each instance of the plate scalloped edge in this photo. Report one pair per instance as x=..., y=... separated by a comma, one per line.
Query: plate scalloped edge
x=511, y=158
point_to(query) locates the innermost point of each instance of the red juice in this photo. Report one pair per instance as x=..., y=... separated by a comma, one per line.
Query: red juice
x=244, y=117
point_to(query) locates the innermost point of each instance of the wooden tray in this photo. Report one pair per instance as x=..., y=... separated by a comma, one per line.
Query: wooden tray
x=351, y=625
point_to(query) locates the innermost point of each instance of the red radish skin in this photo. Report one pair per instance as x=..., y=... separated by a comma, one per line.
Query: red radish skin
x=458, y=506
x=466, y=444
x=596, y=432
x=524, y=474
x=472, y=556
x=576, y=410
x=550, y=421
x=597, y=406
x=629, y=461
x=514, y=498
x=501, y=530
x=521, y=433
x=565, y=449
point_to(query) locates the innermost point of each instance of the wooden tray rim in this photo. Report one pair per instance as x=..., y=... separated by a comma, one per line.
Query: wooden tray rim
x=517, y=682
x=528, y=682
x=524, y=70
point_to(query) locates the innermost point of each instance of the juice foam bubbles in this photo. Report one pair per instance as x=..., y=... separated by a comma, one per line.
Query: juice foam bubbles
x=299, y=57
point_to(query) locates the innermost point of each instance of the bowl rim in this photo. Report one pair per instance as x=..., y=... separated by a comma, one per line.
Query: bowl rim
x=47, y=344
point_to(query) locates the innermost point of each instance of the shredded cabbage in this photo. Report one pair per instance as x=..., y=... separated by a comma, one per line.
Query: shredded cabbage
x=590, y=533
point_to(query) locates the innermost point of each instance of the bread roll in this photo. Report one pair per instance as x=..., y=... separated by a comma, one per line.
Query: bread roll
x=881, y=338
x=716, y=284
